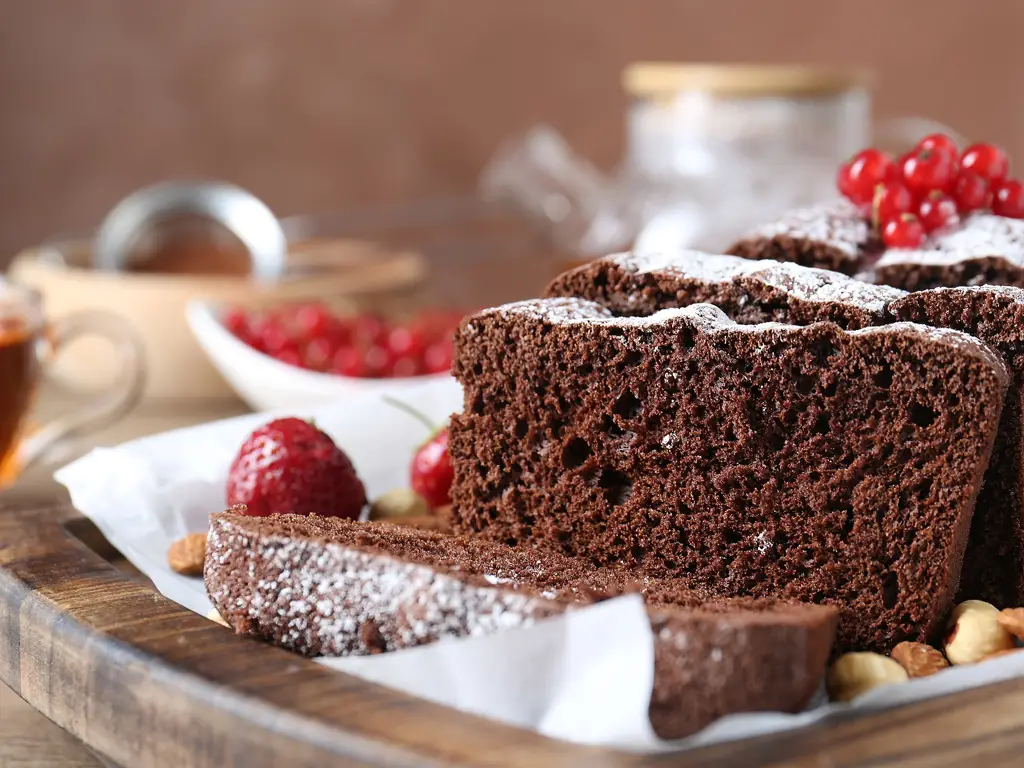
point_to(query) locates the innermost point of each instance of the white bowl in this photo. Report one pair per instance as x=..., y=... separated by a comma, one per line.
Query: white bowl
x=268, y=384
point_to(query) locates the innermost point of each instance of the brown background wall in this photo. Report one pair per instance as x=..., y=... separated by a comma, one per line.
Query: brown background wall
x=315, y=104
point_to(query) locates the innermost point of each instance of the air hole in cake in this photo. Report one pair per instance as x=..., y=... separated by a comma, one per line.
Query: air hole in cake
x=478, y=404
x=890, y=590
x=616, y=332
x=776, y=441
x=924, y=489
x=824, y=349
x=730, y=433
x=686, y=339
x=631, y=358
x=627, y=406
x=884, y=377
x=608, y=426
x=805, y=384
x=521, y=429
x=638, y=554
x=575, y=453
x=790, y=416
x=922, y=415
x=829, y=390
x=821, y=425
x=747, y=367
x=478, y=369
x=618, y=488
x=585, y=370
x=848, y=521
x=731, y=536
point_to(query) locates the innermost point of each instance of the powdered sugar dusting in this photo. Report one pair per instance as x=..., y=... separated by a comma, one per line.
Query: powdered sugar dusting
x=836, y=223
x=947, y=336
x=981, y=236
x=1009, y=291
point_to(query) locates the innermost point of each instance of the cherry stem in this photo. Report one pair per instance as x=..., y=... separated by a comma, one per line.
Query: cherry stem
x=406, y=408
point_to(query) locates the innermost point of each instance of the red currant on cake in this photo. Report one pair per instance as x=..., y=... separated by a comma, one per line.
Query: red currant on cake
x=288, y=466
x=972, y=192
x=905, y=231
x=986, y=160
x=890, y=201
x=1008, y=199
x=927, y=169
x=937, y=210
x=867, y=169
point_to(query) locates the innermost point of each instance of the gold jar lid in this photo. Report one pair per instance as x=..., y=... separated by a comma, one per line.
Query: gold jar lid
x=660, y=79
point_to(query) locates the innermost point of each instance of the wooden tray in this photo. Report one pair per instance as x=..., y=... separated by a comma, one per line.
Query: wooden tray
x=147, y=683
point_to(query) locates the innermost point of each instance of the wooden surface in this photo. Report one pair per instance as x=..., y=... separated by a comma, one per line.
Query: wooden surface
x=147, y=683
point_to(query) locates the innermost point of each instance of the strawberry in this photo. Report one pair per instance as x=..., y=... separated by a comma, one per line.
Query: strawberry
x=290, y=467
x=431, y=472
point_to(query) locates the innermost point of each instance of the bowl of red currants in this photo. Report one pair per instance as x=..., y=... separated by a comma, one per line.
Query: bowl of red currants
x=301, y=354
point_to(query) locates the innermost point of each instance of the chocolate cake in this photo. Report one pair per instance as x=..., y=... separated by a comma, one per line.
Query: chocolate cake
x=994, y=562
x=329, y=586
x=983, y=249
x=637, y=284
x=810, y=463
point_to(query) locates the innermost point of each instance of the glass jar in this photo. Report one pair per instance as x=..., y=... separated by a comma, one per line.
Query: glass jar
x=714, y=150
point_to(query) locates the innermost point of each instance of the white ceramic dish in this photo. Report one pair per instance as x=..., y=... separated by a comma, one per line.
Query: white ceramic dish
x=267, y=384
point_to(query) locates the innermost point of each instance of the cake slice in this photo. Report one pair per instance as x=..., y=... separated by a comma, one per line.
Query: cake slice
x=809, y=463
x=329, y=586
x=994, y=562
x=637, y=284
x=982, y=249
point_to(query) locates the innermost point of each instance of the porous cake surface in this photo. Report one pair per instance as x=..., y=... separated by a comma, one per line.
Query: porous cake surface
x=335, y=586
x=748, y=291
x=994, y=562
x=982, y=249
x=805, y=462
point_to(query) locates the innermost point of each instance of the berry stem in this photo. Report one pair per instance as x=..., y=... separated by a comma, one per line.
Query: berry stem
x=418, y=415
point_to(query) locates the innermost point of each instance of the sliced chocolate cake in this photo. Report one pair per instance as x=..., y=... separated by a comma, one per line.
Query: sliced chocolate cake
x=636, y=284
x=983, y=249
x=329, y=586
x=810, y=463
x=994, y=562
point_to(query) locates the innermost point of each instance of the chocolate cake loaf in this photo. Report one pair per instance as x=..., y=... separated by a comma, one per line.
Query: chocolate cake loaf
x=983, y=249
x=994, y=562
x=330, y=586
x=635, y=284
x=768, y=460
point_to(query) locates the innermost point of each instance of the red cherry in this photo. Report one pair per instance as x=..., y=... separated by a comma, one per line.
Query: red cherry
x=986, y=160
x=1008, y=199
x=928, y=169
x=971, y=192
x=437, y=358
x=867, y=169
x=905, y=231
x=431, y=472
x=937, y=210
x=348, y=361
x=940, y=142
x=890, y=201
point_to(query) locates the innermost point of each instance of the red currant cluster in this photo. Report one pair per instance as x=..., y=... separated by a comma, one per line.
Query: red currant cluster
x=929, y=188
x=311, y=336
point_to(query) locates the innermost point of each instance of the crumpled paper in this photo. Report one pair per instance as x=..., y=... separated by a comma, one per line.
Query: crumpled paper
x=584, y=677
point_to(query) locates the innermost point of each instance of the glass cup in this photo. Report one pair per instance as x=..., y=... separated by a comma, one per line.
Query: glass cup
x=27, y=345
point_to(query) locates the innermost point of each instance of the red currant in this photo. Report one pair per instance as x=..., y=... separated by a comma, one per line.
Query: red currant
x=867, y=169
x=928, y=169
x=290, y=355
x=236, y=321
x=368, y=330
x=890, y=201
x=986, y=160
x=404, y=366
x=971, y=192
x=437, y=358
x=937, y=210
x=377, y=360
x=905, y=231
x=431, y=472
x=317, y=354
x=348, y=361
x=312, y=320
x=405, y=342
x=1008, y=199
x=940, y=142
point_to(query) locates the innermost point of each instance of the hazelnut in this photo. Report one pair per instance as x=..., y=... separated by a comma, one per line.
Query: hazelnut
x=399, y=502
x=855, y=673
x=975, y=633
x=918, y=659
x=187, y=554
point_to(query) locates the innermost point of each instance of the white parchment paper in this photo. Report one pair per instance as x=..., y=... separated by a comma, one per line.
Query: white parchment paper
x=584, y=677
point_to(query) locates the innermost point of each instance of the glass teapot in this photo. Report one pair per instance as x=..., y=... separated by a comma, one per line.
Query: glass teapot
x=712, y=151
